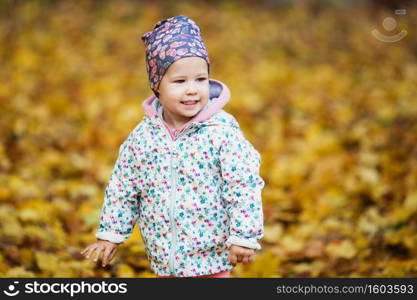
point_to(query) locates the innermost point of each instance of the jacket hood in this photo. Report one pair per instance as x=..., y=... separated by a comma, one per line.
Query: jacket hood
x=219, y=95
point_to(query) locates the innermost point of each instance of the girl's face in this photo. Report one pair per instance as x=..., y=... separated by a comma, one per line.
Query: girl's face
x=184, y=89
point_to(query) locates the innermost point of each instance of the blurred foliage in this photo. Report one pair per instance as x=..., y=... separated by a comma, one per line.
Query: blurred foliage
x=332, y=110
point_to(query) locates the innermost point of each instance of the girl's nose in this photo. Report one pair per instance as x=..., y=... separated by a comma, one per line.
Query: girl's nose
x=191, y=88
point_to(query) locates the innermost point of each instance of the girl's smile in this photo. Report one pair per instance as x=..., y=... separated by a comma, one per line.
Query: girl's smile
x=190, y=103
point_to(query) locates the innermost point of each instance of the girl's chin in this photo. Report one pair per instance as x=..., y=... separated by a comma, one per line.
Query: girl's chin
x=190, y=114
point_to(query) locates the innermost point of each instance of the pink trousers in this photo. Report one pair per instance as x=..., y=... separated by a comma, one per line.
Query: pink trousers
x=225, y=274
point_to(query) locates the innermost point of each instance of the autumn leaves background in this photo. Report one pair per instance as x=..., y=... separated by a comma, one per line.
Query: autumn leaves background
x=332, y=110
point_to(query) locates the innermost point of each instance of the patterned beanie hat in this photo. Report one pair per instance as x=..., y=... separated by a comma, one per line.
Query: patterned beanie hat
x=170, y=40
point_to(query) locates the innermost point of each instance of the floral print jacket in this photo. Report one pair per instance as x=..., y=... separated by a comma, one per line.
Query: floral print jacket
x=194, y=192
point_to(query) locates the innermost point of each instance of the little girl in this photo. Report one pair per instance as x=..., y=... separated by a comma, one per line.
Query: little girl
x=186, y=173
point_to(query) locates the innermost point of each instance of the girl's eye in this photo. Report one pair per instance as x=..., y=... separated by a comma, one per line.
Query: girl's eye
x=202, y=79
x=179, y=81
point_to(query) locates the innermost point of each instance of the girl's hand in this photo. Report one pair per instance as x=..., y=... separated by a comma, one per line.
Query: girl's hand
x=240, y=254
x=109, y=251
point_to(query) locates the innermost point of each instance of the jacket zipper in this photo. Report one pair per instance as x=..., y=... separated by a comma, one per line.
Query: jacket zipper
x=172, y=203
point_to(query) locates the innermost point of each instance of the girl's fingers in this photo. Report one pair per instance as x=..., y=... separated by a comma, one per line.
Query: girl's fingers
x=112, y=254
x=240, y=254
x=98, y=251
x=232, y=259
x=245, y=260
x=250, y=259
x=249, y=255
x=84, y=250
x=106, y=255
x=90, y=251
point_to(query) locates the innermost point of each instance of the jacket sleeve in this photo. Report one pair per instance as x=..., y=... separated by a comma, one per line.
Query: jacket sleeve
x=241, y=190
x=120, y=209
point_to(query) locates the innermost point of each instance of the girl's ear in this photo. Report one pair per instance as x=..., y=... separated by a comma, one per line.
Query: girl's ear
x=156, y=90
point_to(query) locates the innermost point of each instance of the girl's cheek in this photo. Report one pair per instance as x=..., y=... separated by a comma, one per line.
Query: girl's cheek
x=173, y=89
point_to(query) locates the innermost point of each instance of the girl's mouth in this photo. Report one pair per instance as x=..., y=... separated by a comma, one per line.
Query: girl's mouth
x=189, y=103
